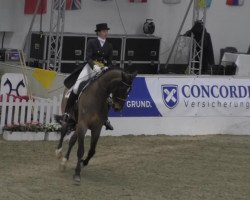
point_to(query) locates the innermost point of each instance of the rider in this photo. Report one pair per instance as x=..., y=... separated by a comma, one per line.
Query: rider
x=99, y=57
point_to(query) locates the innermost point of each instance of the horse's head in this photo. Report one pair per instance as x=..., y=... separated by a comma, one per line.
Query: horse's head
x=122, y=90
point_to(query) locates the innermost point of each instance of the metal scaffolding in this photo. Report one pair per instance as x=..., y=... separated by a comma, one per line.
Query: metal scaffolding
x=196, y=49
x=57, y=19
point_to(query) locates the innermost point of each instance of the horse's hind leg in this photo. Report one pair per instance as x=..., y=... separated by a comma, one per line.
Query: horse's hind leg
x=64, y=131
x=95, y=134
x=81, y=131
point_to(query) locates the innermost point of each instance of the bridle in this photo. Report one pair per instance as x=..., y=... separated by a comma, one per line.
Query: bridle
x=129, y=87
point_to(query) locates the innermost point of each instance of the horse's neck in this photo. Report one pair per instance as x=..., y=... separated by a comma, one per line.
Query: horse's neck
x=110, y=79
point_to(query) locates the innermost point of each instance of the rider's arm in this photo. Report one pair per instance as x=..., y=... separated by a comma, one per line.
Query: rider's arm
x=110, y=56
x=89, y=53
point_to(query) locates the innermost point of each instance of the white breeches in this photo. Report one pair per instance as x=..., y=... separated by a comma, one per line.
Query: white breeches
x=85, y=74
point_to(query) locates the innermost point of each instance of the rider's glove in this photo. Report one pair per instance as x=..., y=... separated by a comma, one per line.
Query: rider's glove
x=104, y=68
x=96, y=68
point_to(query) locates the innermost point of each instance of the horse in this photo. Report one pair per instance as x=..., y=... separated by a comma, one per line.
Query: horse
x=92, y=112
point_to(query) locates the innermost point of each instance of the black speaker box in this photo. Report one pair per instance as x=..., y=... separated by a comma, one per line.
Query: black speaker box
x=37, y=46
x=116, y=44
x=73, y=48
x=141, y=68
x=173, y=69
x=142, y=49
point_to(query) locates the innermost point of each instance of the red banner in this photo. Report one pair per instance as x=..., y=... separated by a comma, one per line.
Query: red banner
x=30, y=6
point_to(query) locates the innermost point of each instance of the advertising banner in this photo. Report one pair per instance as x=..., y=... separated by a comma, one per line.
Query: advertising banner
x=187, y=96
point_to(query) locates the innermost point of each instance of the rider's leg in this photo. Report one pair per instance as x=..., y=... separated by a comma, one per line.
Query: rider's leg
x=68, y=108
x=107, y=123
x=85, y=74
x=70, y=103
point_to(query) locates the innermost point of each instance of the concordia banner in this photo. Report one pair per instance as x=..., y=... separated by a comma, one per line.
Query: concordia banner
x=187, y=96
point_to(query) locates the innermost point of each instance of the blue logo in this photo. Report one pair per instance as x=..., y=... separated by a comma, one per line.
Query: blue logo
x=170, y=95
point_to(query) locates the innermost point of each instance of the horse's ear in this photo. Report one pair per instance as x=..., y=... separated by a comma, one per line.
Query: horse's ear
x=129, y=77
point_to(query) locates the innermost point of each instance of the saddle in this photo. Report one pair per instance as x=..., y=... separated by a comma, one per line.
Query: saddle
x=71, y=79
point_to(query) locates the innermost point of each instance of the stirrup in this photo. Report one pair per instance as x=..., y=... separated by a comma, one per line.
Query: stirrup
x=109, y=101
x=65, y=117
x=108, y=125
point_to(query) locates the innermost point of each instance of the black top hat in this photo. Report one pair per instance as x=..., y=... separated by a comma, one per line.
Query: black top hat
x=102, y=26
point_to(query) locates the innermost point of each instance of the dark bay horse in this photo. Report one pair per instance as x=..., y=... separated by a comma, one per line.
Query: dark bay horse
x=93, y=110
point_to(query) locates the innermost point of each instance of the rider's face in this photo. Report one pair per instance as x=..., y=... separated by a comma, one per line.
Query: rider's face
x=103, y=34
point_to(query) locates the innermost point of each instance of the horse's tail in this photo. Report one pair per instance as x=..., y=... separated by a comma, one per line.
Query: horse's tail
x=58, y=119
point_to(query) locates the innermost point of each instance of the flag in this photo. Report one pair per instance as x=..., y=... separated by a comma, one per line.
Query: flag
x=203, y=3
x=235, y=2
x=73, y=4
x=44, y=77
x=70, y=4
x=30, y=6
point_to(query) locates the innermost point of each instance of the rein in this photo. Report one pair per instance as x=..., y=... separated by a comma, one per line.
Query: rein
x=121, y=99
x=126, y=84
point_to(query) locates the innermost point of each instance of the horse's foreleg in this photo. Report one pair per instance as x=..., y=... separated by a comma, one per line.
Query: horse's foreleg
x=95, y=134
x=81, y=131
x=72, y=142
x=64, y=131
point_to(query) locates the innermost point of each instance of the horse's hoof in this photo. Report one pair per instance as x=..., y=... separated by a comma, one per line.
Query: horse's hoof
x=58, y=153
x=77, y=179
x=63, y=164
x=82, y=163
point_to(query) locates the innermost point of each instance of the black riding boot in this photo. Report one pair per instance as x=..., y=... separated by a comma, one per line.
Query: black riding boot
x=108, y=125
x=70, y=104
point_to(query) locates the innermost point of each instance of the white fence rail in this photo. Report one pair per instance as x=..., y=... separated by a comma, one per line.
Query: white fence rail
x=37, y=110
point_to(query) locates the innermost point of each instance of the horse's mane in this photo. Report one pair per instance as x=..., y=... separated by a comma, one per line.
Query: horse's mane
x=93, y=79
x=104, y=72
x=111, y=69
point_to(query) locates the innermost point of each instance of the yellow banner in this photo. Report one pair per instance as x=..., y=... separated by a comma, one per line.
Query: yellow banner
x=201, y=3
x=44, y=77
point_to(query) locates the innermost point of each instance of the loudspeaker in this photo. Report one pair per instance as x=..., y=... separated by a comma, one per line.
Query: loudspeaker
x=141, y=68
x=142, y=49
x=173, y=69
x=116, y=43
x=37, y=46
x=73, y=48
